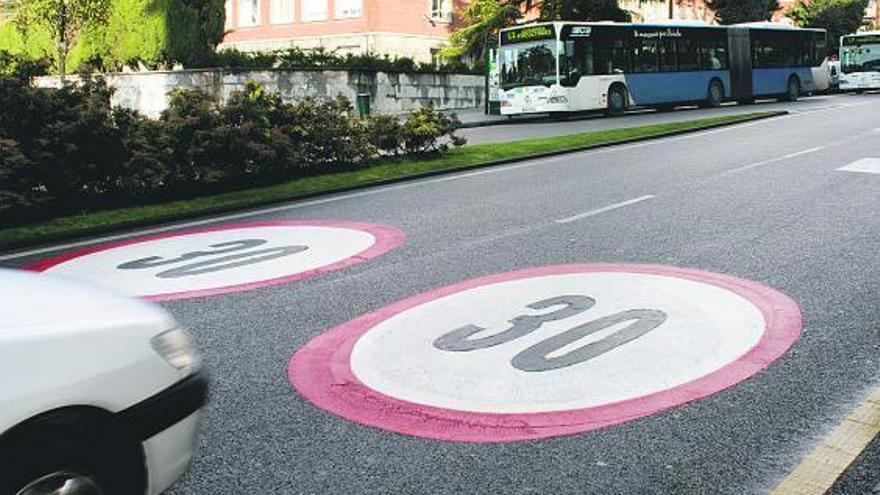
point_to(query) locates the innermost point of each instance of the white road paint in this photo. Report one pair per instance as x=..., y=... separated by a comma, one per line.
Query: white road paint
x=865, y=166
x=608, y=208
x=323, y=246
x=707, y=327
x=773, y=160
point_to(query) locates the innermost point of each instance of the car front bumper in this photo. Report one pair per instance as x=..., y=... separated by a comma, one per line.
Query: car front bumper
x=167, y=425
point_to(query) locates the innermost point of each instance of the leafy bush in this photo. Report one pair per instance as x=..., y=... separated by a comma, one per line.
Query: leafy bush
x=424, y=129
x=67, y=150
x=386, y=134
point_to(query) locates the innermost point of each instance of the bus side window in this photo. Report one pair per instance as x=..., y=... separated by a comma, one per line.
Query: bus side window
x=667, y=56
x=644, y=56
x=713, y=55
x=688, y=55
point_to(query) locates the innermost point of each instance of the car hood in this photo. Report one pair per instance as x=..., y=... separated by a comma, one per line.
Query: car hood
x=31, y=302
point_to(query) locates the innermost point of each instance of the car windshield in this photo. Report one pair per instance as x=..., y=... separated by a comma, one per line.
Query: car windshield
x=860, y=58
x=528, y=64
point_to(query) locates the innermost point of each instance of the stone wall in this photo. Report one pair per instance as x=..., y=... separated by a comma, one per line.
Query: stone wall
x=390, y=93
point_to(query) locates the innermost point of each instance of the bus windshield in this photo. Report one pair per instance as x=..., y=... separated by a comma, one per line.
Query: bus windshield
x=860, y=58
x=528, y=64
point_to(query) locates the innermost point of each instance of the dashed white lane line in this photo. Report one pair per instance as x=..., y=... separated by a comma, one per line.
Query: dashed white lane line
x=604, y=209
x=772, y=160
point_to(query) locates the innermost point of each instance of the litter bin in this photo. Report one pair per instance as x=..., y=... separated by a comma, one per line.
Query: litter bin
x=363, y=104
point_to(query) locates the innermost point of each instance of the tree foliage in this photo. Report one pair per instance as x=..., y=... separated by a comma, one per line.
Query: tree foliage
x=737, y=11
x=153, y=33
x=64, y=19
x=583, y=10
x=838, y=17
x=482, y=19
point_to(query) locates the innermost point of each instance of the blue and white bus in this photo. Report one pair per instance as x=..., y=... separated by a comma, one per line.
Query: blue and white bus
x=860, y=61
x=571, y=66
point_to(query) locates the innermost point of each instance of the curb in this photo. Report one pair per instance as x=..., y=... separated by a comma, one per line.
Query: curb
x=173, y=218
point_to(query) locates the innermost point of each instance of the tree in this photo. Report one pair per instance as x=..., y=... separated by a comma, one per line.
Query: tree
x=737, y=11
x=481, y=20
x=64, y=19
x=583, y=10
x=838, y=17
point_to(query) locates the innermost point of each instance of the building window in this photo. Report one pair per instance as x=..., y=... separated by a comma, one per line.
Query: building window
x=314, y=10
x=248, y=12
x=347, y=9
x=281, y=11
x=440, y=10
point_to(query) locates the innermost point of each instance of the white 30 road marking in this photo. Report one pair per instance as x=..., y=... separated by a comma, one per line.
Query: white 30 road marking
x=219, y=260
x=598, y=211
x=706, y=328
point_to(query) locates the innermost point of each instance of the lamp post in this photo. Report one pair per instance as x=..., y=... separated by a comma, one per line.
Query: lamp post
x=671, y=9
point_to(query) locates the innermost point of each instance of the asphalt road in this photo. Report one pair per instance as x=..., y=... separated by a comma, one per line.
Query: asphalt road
x=762, y=201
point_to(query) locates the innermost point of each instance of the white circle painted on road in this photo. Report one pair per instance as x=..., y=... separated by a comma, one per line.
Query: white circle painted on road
x=547, y=351
x=222, y=259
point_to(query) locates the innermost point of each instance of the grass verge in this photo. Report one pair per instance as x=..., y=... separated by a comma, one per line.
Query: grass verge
x=480, y=155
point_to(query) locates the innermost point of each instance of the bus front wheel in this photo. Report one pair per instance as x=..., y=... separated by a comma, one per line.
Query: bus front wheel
x=617, y=101
x=716, y=94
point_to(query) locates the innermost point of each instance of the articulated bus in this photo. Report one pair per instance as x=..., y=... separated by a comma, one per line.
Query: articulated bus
x=567, y=67
x=860, y=61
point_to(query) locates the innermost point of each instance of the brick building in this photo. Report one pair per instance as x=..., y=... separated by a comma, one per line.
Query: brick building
x=404, y=28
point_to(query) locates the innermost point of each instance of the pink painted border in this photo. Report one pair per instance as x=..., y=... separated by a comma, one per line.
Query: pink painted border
x=387, y=238
x=321, y=372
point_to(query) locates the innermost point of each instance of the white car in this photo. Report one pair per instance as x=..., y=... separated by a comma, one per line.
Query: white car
x=99, y=394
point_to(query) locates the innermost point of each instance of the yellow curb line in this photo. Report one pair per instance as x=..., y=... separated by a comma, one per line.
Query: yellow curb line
x=818, y=472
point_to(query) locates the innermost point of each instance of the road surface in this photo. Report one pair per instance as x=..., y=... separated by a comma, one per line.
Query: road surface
x=763, y=202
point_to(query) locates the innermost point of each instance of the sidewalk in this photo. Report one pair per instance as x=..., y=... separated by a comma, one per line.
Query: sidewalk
x=474, y=117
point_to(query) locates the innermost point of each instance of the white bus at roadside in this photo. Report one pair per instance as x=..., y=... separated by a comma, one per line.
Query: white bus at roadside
x=860, y=61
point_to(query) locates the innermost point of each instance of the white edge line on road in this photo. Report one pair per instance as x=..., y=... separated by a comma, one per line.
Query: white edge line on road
x=604, y=209
x=379, y=190
x=773, y=160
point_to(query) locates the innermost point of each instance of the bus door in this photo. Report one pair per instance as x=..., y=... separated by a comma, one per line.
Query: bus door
x=740, y=63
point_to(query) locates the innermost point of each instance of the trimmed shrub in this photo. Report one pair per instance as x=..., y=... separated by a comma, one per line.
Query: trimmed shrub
x=424, y=130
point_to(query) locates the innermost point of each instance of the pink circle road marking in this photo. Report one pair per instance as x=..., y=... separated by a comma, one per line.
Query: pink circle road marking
x=321, y=370
x=387, y=238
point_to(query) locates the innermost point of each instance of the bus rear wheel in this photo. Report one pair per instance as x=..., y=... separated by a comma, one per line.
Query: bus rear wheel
x=617, y=101
x=794, y=89
x=715, y=96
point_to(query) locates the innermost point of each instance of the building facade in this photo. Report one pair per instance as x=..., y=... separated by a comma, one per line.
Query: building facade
x=659, y=10
x=402, y=28
x=407, y=28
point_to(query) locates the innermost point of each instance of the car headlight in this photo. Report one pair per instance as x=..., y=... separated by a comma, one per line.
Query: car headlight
x=558, y=99
x=175, y=347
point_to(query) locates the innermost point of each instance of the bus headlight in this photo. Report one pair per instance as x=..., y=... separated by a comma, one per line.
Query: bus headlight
x=557, y=99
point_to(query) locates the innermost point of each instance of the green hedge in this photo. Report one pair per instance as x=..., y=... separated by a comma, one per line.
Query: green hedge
x=67, y=150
